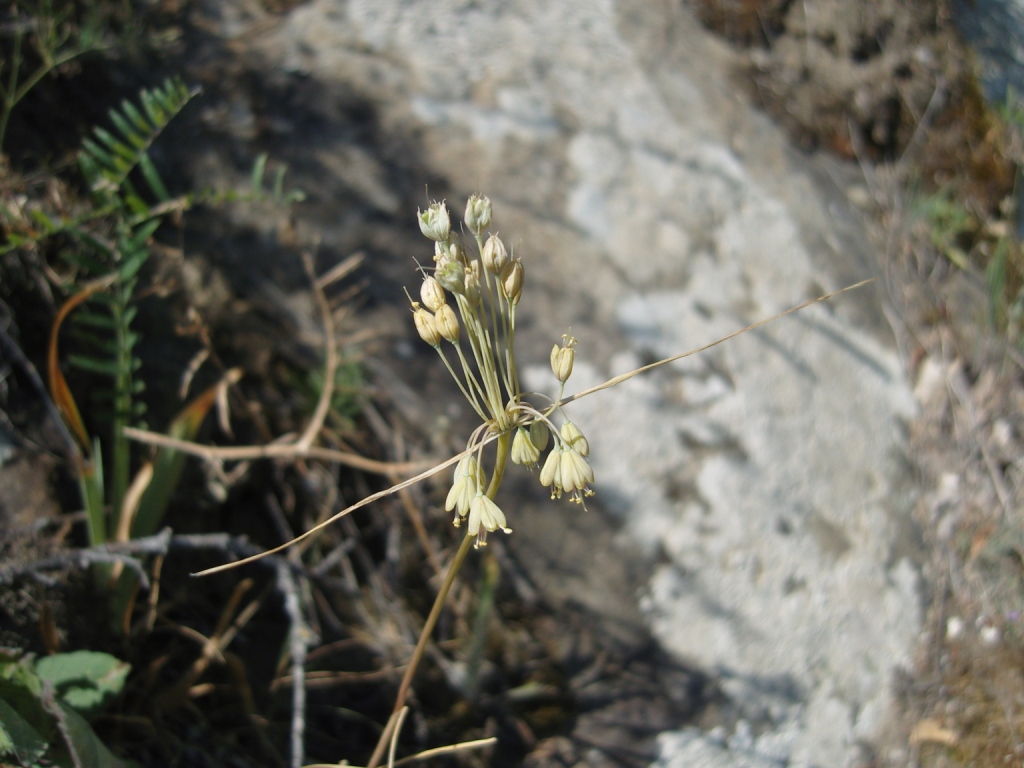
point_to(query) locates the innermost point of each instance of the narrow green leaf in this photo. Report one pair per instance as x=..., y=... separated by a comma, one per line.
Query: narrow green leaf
x=168, y=464
x=154, y=111
x=129, y=110
x=114, y=145
x=135, y=204
x=152, y=178
x=92, y=241
x=104, y=367
x=133, y=264
x=95, y=320
x=43, y=220
x=90, y=170
x=279, y=183
x=258, y=169
x=124, y=127
x=141, y=235
x=102, y=157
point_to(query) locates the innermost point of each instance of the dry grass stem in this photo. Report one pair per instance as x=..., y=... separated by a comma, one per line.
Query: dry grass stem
x=272, y=451
x=627, y=376
x=427, y=754
x=286, y=450
x=433, y=470
x=323, y=404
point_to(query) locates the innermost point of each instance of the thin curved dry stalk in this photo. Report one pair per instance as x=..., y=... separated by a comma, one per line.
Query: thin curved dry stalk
x=303, y=445
x=427, y=753
x=277, y=450
x=615, y=381
x=323, y=404
x=362, y=503
x=476, y=447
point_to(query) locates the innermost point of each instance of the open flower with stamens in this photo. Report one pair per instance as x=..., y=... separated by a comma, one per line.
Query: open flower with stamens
x=575, y=472
x=435, y=222
x=486, y=515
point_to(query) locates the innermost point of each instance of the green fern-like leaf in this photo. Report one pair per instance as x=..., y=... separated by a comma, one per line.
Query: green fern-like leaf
x=109, y=157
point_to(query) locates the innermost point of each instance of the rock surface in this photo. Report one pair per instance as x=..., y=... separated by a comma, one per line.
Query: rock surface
x=762, y=482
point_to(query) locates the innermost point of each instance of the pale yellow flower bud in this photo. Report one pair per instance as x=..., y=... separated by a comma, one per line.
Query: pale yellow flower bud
x=447, y=323
x=562, y=358
x=523, y=450
x=574, y=438
x=458, y=253
x=551, y=472
x=512, y=281
x=432, y=294
x=426, y=326
x=494, y=255
x=434, y=222
x=452, y=276
x=478, y=214
x=464, y=487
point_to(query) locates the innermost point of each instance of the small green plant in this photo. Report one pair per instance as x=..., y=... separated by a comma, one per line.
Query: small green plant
x=107, y=241
x=108, y=259
x=43, y=37
x=46, y=706
x=951, y=225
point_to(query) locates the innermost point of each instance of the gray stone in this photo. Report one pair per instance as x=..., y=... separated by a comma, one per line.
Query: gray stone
x=657, y=211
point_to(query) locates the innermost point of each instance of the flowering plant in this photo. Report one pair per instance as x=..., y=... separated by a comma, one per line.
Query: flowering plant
x=485, y=283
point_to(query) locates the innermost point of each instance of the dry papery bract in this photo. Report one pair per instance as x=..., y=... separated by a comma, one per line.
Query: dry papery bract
x=467, y=312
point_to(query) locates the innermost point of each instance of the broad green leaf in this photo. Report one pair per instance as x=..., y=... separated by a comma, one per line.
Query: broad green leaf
x=18, y=737
x=88, y=750
x=84, y=679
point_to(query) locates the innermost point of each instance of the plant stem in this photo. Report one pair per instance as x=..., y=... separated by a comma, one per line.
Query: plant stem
x=435, y=611
x=421, y=646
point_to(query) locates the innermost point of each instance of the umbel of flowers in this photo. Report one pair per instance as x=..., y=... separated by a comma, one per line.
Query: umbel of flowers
x=475, y=339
